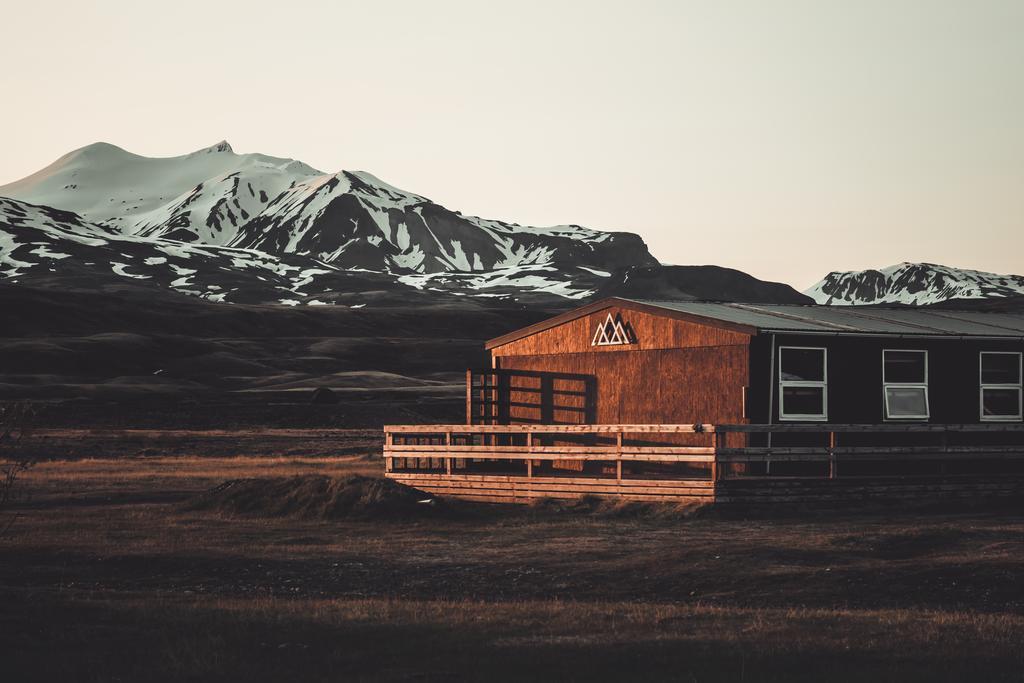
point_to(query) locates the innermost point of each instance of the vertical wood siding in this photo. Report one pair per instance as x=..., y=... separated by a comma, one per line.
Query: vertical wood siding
x=677, y=372
x=666, y=386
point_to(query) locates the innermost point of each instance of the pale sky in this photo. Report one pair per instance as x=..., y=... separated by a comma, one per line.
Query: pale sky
x=785, y=138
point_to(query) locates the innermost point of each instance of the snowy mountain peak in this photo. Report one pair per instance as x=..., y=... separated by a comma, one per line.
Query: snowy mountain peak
x=376, y=186
x=204, y=196
x=97, y=150
x=348, y=220
x=915, y=284
x=222, y=146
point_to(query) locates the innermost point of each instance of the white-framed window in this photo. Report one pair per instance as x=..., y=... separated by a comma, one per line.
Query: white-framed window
x=803, y=383
x=1000, y=378
x=905, y=384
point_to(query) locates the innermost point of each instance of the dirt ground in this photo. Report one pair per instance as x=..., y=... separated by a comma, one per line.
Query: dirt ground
x=108, y=574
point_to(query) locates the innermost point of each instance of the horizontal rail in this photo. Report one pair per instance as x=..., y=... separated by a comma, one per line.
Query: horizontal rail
x=878, y=450
x=862, y=454
x=551, y=429
x=426, y=450
x=824, y=428
x=486, y=453
x=698, y=428
x=536, y=390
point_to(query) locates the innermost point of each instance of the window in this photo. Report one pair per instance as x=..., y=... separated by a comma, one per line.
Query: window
x=905, y=384
x=803, y=384
x=1000, y=386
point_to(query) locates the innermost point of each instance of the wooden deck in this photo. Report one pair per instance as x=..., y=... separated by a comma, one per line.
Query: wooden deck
x=709, y=463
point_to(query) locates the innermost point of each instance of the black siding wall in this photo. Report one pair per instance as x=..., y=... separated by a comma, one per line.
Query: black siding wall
x=855, y=376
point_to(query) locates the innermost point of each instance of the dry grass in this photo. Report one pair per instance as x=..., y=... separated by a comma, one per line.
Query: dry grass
x=379, y=639
x=315, y=496
x=192, y=472
x=108, y=575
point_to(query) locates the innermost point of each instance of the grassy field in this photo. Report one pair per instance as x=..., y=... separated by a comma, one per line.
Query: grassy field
x=108, y=574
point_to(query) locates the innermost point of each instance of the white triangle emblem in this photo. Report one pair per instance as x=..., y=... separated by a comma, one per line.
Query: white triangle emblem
x=612, y=332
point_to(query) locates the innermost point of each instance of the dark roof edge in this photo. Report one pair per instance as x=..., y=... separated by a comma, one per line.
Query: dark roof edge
x=587, y=309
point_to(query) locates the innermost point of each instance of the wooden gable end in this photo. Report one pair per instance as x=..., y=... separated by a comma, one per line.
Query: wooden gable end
x=640, y=330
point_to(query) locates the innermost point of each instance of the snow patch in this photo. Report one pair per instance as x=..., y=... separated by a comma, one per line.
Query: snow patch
x=42, y=250
x=119, y=269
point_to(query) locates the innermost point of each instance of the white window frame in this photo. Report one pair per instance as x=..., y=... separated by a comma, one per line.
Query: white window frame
x=982, y=387
x=823, y=385
x=905, y=385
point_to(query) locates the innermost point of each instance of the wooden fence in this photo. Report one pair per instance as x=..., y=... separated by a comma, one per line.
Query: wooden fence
x=517, y=463
x=499, y=397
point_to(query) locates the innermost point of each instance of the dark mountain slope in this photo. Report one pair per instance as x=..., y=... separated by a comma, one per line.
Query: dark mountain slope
x=706, y=283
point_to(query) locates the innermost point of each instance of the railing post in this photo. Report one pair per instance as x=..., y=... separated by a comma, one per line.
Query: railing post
x=718, y=441
x=492, y=397
x=832, y=464
x=618, y=455
x=448, y=453
x=529, y=451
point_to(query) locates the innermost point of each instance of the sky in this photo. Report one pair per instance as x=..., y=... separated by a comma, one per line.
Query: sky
x=785, y=138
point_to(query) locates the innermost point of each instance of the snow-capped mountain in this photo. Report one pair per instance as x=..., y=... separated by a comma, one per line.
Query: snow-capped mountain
x=38, y=243
x=203, y=196
x=281, y=206
x=48, y=247
x=916, y=284
x=260, y=229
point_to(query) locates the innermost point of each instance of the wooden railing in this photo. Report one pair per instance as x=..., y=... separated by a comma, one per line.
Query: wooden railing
x=449, y=448
x=832, y=450
x=531, y=444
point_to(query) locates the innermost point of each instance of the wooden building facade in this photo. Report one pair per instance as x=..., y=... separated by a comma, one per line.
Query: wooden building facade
x=632, y=398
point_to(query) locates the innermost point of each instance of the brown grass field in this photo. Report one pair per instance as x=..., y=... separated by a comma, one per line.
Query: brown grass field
x=109, y=574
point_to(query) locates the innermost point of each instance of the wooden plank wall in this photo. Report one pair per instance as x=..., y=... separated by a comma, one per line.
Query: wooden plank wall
x=671, y=386
x=678, y=372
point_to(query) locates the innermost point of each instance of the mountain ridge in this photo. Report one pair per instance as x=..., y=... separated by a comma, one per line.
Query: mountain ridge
x=256, y=228
x=913, y=284
x=46, y=247
x=282, y=206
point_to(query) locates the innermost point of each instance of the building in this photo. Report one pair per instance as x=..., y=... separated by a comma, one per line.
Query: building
x=637, y=399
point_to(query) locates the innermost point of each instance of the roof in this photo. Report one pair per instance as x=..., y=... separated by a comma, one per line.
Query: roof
x=807, y=319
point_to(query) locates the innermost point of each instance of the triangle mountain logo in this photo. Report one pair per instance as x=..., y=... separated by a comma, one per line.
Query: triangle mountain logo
x=613, y=332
